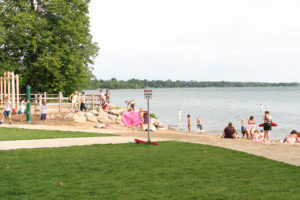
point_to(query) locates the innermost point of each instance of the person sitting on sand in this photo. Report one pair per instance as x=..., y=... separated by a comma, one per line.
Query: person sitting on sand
x=257, y=137
x=250, y=128
x=130, y=105
x=189, y=122
x=292, y=139
x=229, y=132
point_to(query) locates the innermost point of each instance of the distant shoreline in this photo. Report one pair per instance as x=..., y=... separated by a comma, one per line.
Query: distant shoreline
x=141, y=84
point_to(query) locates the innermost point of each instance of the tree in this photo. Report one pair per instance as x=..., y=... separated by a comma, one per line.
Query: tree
x=48, y=43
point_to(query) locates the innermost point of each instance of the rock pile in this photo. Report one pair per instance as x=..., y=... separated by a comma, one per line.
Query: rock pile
x=94, y=116
x=110, y=117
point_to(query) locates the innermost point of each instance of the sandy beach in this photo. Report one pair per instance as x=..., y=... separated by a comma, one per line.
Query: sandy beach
x=275, y=150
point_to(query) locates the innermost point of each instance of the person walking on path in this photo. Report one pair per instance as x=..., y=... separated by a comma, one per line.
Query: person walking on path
x=7, y=110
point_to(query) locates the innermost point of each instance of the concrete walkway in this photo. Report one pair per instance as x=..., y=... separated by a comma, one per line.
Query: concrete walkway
x=66, y=142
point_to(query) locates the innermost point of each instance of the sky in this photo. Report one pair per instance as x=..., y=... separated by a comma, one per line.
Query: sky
x=201, y=40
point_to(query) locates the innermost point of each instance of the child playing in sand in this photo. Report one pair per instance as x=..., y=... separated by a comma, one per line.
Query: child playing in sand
x=23, y=108
x=189, y=122
x=7, y=110
x=257, y=137
x=43, y=112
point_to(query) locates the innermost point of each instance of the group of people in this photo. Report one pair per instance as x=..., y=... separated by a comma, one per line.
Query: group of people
x=80, y=101
x=250, y=131
x=189, y=122
x=9, y=109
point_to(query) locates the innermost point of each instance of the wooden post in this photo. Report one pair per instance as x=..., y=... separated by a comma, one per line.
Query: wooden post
x=13, y=91
x=93, y=102
x=45, y=97
x=1, y=98
x=4, y=77
x=8, y=85
x=59, y=102
x=40, y=102
x=35, y=103
x=17, y=91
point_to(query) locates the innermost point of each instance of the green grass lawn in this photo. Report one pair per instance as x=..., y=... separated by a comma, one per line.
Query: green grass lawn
x=28, y=134
x=171, y=170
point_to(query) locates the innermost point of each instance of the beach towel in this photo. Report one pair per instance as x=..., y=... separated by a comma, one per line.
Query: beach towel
x=131, y=118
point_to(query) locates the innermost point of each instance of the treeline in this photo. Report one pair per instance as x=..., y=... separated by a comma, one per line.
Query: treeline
x=139, y=84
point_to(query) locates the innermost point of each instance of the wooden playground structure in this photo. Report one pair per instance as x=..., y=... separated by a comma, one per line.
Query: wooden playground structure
x=9, y=86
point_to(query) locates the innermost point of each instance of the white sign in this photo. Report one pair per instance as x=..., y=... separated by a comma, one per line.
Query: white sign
x=147, y=94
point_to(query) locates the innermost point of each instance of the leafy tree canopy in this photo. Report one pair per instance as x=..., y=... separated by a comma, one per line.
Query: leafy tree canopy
x=48, y=43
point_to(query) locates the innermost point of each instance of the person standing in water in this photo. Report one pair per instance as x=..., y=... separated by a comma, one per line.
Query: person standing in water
x=199, y=123
x=179, y=114
x=267, y=125
x=189, y=122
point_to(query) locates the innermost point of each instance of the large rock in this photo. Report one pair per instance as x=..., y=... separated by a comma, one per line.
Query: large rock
x=116, y=112
x=94, y=112
x=79, y=118
x=103, y=119
x=112, y=119
x=157, y=123
x=92, y=118
x=76, y=117
x=69, y=116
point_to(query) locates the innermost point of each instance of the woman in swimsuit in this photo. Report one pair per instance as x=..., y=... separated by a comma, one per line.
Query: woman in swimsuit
x=250, y=128
x=267, y=125
x=292, y=139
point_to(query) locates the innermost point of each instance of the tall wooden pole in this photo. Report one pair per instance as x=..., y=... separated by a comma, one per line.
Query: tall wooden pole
x=4, y=77
x=13, y=90
x=8, y=85
x=1, y=92
x=18, y=91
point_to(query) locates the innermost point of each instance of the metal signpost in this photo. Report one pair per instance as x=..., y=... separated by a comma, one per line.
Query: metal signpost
x=148, y=96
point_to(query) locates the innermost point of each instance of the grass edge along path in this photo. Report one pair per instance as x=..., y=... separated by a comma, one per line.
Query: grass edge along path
x=171, y=170
x=8, y=134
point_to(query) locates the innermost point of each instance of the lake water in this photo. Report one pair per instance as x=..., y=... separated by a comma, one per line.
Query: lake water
x=217, y=106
